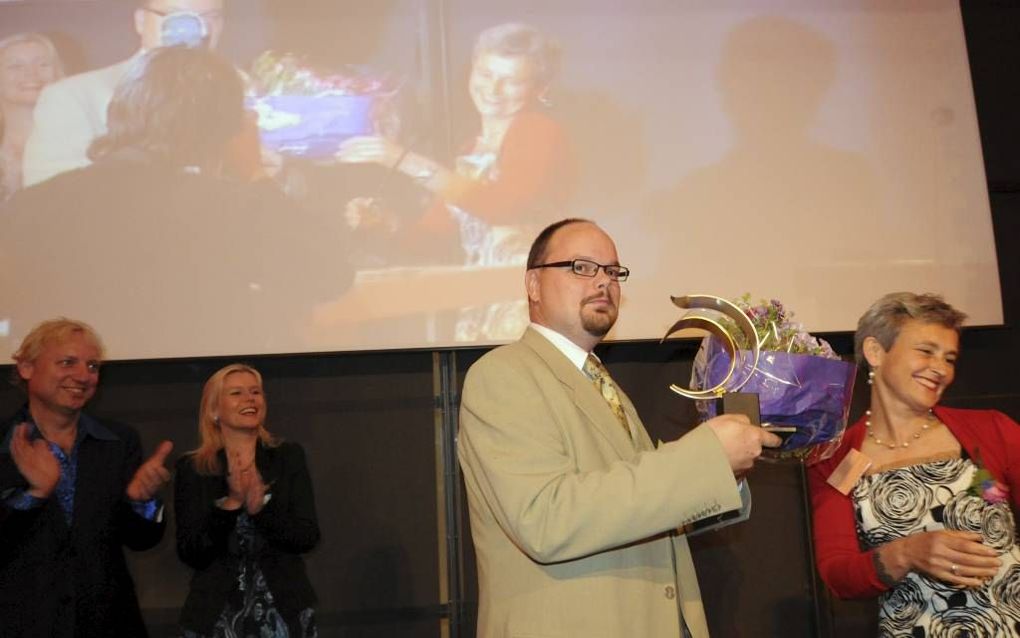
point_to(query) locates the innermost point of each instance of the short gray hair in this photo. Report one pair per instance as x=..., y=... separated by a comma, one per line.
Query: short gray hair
x=886, y=316
x=517, y=39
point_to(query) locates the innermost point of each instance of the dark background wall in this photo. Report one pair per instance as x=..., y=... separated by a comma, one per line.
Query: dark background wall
x=396, y=556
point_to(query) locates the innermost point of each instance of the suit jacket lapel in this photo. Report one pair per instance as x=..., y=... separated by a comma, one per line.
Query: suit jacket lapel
x=641, y=439
x=585, y=396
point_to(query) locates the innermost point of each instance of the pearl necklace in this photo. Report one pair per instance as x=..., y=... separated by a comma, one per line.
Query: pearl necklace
x=892, y=445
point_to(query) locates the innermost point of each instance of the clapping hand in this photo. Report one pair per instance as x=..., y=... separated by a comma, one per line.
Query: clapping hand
x=35, y=462
x=151, y=475
x=245, y=484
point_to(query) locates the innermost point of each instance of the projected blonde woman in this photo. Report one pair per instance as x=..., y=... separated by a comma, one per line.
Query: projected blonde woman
x=28, y=62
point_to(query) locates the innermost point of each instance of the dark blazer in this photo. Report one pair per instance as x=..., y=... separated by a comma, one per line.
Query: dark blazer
x=58, y=580
x=175, y=224
x=207, y=541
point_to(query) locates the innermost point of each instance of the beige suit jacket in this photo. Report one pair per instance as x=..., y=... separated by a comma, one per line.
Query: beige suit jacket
x=573, y=521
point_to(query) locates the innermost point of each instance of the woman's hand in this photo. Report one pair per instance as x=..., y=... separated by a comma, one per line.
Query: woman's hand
x=255, y=492
x=370, y=149
x=955, y=557
x=244, y=482
x=238, y=465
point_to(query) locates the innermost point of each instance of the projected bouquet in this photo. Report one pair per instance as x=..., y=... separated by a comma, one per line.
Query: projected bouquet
x=800, y=382
x=308, y=112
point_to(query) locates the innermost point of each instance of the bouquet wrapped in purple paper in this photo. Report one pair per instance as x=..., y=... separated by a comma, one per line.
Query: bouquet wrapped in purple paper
x=799, y=380
x=308, y=112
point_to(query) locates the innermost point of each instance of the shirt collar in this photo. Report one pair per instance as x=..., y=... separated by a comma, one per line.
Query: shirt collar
x=575, y=353
x=94, y=428
x=87, y=426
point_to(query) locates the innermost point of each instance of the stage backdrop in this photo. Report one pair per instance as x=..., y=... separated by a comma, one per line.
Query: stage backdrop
x=818, y=154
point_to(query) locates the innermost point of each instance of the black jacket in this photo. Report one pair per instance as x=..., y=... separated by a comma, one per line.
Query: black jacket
x=206, y=537
x=166, y=248
x=61, y=581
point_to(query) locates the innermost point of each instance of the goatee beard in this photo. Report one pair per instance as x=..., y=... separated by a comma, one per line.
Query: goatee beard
x=598, y=325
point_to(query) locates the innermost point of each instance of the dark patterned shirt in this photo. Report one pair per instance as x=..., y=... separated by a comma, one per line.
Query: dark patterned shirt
x=65, y=490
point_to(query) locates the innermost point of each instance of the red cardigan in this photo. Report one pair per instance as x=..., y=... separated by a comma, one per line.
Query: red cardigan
x=537, y=173
x=845, y=567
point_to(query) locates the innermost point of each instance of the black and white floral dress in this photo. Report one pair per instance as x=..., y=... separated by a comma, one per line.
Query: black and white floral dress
x=930, y=496
x=250, y=611
x=486, y=245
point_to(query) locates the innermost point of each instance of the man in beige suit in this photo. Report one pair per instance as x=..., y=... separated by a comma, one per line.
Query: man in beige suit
x=574, y=513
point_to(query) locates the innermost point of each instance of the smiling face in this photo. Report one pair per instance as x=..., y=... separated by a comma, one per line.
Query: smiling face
x=583, y=309
x=64, y=376
x=918, y=367
x=25, y=68
x=501, y=86
x=242, y=406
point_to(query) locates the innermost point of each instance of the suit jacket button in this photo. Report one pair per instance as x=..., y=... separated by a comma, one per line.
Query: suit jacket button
x=670, y=592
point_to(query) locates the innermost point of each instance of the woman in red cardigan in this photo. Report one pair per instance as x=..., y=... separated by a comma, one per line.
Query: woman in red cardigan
x=508, y=183
x=918, y=504
x=519, y=168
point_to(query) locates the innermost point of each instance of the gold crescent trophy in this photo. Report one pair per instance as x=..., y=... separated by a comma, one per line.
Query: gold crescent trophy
x=705, y=312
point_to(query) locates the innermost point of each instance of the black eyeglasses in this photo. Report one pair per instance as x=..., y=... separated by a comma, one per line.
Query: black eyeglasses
x=589, y=268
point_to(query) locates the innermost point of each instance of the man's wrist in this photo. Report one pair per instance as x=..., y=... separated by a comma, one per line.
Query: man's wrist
x=150, y=509
x=23, y=500
x=40, y=494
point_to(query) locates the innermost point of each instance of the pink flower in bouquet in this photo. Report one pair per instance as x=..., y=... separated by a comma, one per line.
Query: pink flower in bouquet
x=995, y=492
x=778, y=331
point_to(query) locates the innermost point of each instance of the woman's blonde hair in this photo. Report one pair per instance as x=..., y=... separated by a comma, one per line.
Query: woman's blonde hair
x=206, y=456
x=37, y=38
x=49, y=332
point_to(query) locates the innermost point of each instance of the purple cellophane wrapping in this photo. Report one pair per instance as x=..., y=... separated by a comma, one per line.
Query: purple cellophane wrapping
x=809, y=392
x=311, y=126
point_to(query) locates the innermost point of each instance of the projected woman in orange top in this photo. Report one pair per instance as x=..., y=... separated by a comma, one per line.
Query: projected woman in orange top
x=28, y=62
x=510, y=180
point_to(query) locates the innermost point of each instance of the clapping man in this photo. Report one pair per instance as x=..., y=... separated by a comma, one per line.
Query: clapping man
x=73, y=491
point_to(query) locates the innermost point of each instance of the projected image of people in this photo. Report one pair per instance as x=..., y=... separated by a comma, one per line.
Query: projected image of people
x=28, y=62
x=386, y=170
x=155, y=237
x=72, y=113
x=513, y=177
x=917, y=507
x=245, y=515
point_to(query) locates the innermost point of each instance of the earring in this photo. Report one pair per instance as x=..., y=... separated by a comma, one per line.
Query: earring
x=871, y=377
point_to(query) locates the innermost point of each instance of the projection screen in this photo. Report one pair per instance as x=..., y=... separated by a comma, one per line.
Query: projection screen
x=822, y=154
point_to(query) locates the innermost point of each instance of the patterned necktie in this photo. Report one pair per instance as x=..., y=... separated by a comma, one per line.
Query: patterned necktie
x=598, y=374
